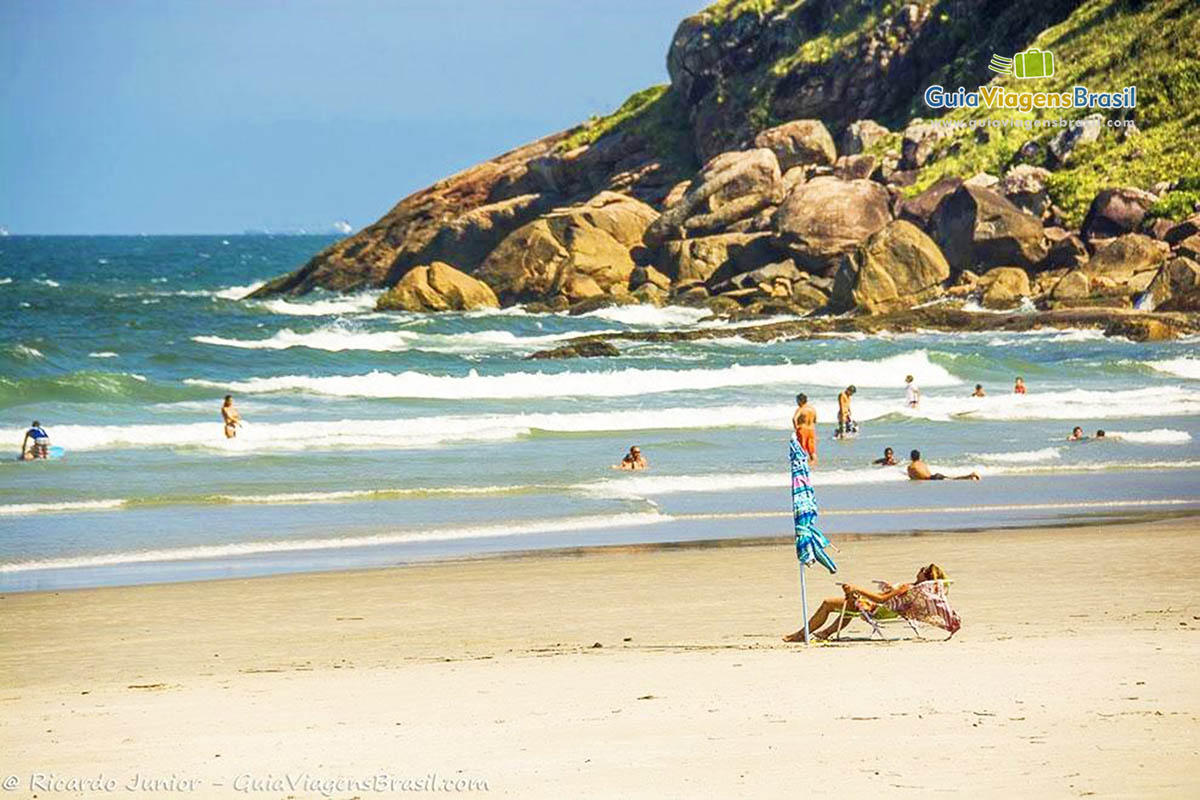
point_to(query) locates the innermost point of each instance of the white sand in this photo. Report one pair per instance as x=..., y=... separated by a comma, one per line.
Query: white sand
x=1075, y=673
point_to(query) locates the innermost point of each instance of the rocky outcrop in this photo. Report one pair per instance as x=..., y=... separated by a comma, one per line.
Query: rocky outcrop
x=730, y=187
x=897, y=267
x=1116, y=211
x=437, y=287
x=364, y=260
x=1004, y=287
x=979, y=229
x=799, y=142
x=692, y=261
x=826, y=218
x=586, y=348
x=919, y=208
x=861, y=135
x=1025, y=188
x=920, y=139
x=1065, y=142
x=1179, y=277
x=1125, y=256
x=1075, y=285
x=568, y=251
x=467, y=239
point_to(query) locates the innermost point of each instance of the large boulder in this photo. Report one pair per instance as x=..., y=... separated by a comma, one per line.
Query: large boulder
x=1116, y=211
x=1067, y=251
x=1125, y=256
x=1075, y=285
x=920, y=138
x=730, y=187
x=801, y=141
x=693, y=261
x=978, y=229
x=850, y=168
x=769, y=275
x=553, y=254
x=1025, y=187
x=826, y=218
x=1177, y=277
x=861, y=136
x=465, y=240
x=437, y=287
x=1085, y=131
x=896, y=268
x=919, y=208
x=1004, y=287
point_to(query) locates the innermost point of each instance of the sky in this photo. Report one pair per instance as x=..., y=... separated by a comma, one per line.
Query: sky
x=122, y=116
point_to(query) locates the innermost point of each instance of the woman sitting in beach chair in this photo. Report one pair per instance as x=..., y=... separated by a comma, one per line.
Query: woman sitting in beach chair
x=924, y=600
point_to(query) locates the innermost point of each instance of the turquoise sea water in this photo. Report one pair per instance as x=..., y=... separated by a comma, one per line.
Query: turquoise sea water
x=377, y=439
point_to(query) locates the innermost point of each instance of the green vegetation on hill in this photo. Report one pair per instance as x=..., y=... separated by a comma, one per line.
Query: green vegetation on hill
x=655, y=115
x=1104, y=46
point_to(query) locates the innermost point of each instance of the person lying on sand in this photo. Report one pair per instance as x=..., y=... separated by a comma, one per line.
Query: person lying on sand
x=1076, y=435
x=918, y=470
x=888, y=460
x=632, y=460
x=856, y=599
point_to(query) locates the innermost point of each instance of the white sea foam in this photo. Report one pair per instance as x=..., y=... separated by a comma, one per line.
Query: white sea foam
x=5, y=281
x=47, y=282
x=27, y=352
x=299, y=498
x=238, y=292
x=1156, y=436
x=642, y=485
x=18, y=509
x=1073, y=404
x=648, y=315
x=361, y=303
x=515, y=528
x=1183, y=367
x=103, y=354
x=1021, y=456
x=338, y=337
x=607, y=383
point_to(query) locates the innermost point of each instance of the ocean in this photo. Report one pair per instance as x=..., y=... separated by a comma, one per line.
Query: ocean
x=378, y=439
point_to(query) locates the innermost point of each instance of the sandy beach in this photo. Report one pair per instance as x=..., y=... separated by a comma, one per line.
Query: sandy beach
x=631, y=672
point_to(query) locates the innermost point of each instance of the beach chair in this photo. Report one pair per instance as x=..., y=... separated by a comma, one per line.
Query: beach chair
x=926, y=602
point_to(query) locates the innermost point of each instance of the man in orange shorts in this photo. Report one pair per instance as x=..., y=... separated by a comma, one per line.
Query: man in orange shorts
x=804, y=420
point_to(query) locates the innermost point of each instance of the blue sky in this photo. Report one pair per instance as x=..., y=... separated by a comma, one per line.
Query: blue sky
x=194, y=117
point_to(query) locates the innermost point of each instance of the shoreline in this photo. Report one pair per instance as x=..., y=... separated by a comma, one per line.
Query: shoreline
x=1070, y=514
x=462, y=667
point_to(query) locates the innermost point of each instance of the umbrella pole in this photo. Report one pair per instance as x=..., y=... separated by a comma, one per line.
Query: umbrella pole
x=804, y=602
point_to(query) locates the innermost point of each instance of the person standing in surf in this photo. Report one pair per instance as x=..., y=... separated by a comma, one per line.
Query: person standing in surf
x=1019, y=386
x=41, y=443
x=231, y=417
x=846, y=425
x=804, y=422
x=912, y=395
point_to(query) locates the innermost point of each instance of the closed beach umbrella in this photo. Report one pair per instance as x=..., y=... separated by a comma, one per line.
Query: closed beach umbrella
x=810, y=542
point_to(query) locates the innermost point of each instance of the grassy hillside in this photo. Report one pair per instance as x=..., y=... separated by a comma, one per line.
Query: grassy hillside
x=1102, y=44
x=1105, y=46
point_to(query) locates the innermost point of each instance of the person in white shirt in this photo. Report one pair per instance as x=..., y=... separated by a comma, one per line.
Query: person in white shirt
x=912, y=395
